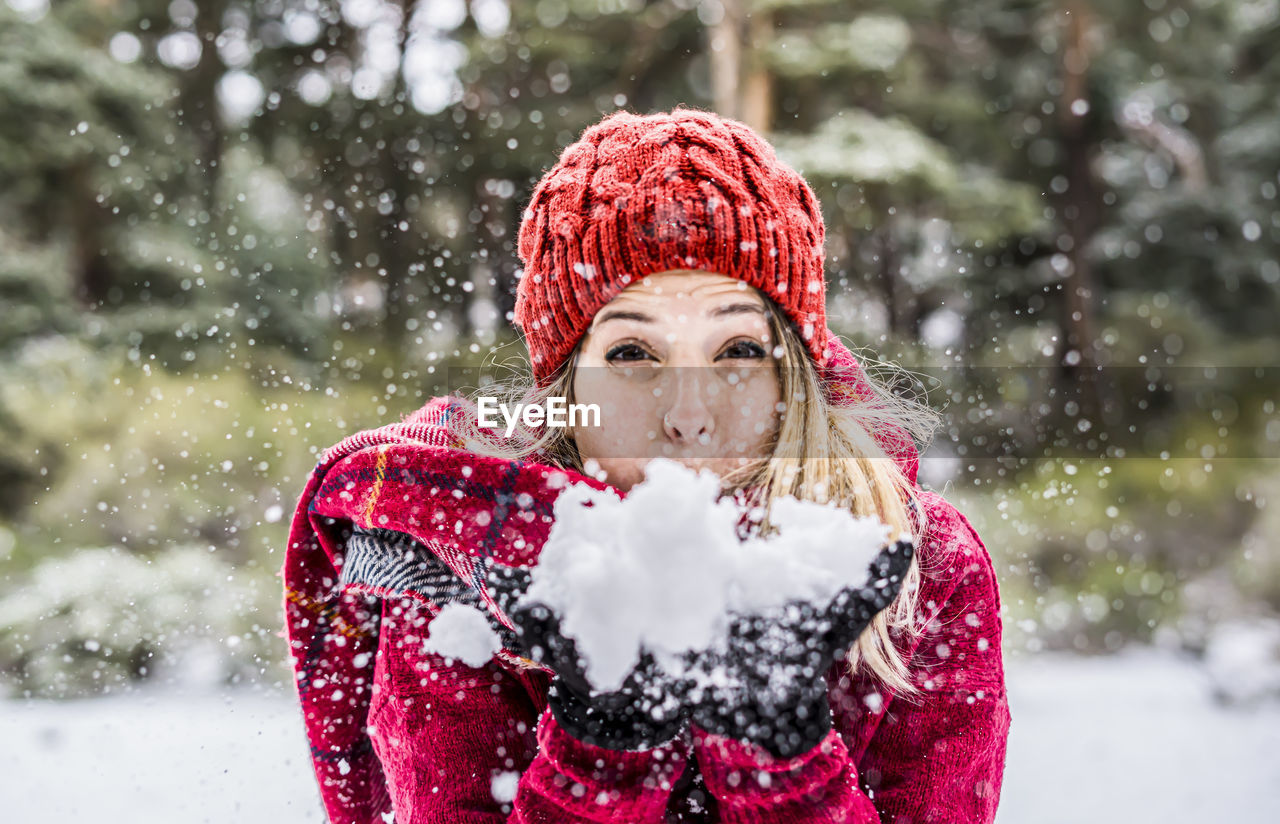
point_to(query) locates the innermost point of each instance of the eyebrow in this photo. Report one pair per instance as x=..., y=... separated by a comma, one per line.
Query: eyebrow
x=622, y=314
x=737, y=309
x=640, y=317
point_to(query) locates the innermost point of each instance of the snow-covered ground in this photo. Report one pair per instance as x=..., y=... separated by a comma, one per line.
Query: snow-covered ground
x=147, y=758
x=1134, y=738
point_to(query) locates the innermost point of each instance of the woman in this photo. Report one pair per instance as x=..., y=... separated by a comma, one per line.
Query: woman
x=673, y=277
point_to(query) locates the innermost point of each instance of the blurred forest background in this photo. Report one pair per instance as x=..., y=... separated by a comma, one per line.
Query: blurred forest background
x=232, y=232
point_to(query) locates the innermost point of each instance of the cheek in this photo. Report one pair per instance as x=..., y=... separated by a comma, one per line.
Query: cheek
x=752, y=413
x=628, y=416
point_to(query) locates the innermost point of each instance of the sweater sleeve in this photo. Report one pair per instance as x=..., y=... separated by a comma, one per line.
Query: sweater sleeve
x=939, y=755
x=476, y=745
x=750, y=785
x=934, y=757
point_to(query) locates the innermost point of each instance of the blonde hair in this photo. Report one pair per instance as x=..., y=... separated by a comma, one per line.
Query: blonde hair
x=821, y=452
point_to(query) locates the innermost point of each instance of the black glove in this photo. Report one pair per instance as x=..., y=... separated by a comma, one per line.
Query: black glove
x=767, y=683
x=647, y=710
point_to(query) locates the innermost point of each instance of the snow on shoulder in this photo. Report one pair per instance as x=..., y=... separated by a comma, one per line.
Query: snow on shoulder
x=663, y=568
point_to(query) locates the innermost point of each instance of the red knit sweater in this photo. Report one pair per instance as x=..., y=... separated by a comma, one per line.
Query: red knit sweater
x=445, y=732
x=394, y=726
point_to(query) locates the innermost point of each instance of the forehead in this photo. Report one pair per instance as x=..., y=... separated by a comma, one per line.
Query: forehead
x=688, y=287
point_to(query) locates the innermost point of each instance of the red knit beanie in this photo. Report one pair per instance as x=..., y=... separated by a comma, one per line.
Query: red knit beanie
x=637, y=195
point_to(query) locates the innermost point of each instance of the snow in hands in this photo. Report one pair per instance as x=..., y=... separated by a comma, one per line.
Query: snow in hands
x=664, y=570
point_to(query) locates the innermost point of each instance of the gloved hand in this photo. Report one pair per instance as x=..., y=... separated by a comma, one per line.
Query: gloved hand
x=646, y=711
x=766, y=684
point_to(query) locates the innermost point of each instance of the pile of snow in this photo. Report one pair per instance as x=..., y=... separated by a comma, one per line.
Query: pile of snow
x=663, y=568
x=1243, y=660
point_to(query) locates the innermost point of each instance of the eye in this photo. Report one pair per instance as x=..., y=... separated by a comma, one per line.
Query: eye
x=743, y=349
x=626, y=352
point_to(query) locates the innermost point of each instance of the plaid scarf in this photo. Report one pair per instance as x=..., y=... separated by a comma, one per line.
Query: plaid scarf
x=416, y=477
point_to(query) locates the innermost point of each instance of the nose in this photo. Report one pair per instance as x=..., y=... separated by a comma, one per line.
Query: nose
x=689, y=419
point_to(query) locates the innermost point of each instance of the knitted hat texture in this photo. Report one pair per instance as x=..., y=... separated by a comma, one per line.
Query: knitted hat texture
x=641, y=194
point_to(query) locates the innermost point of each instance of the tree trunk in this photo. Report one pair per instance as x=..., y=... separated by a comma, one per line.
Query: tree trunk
x=1079, y=208
x=889, y=277
x=200, y=101
x=741, y=85
x=395, y=253
x=756, y=104
x=87, y=218
x=725, y=57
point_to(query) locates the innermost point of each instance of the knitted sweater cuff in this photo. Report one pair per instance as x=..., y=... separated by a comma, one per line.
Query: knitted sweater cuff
x=752, y=785
x=627, y=785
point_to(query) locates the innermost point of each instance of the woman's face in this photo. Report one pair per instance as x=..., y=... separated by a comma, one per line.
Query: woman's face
x=682, y=365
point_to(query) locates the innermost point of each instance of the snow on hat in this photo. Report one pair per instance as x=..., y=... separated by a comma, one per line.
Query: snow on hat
x=641, y=194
